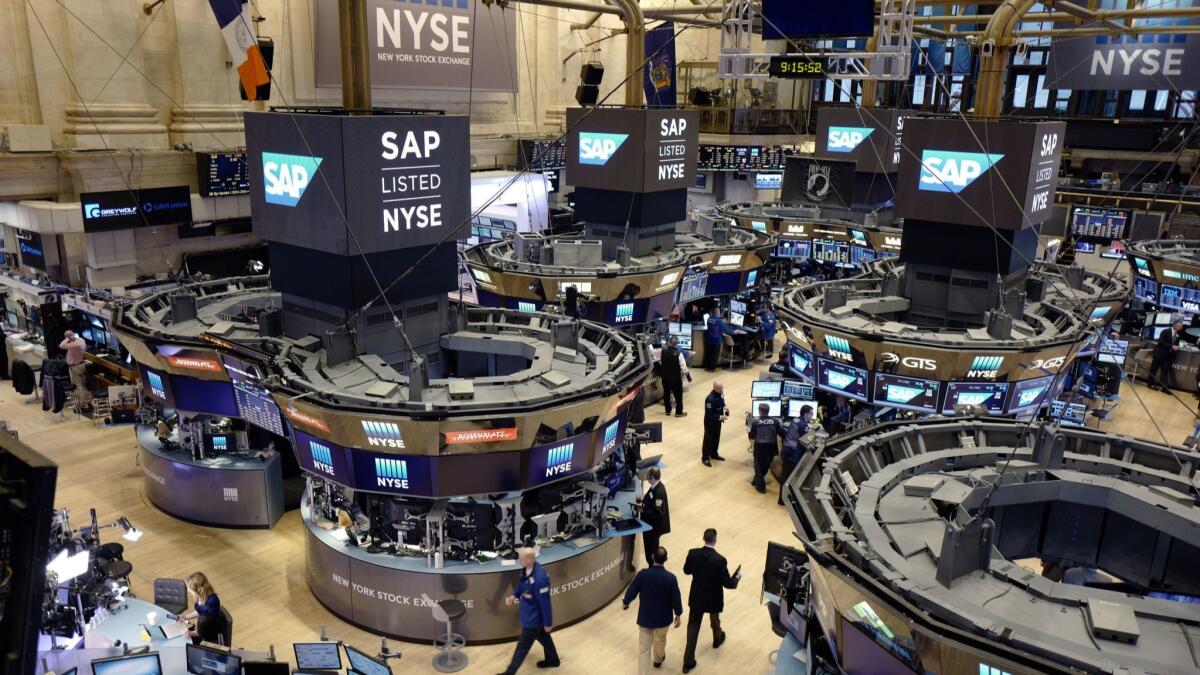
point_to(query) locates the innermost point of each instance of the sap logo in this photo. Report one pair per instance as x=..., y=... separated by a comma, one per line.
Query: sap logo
x=913, y=362
x=846, y=139
x=597, y=148
x=383, y=434
x=985, y=367
x=558, y=460
x=322, y=458
x=286, y=177
x=672, y=127
x=1049, y=365
x=391, y=473
x=1153, y=61
x=624, y=312
x=949, y=171
x=839, y=347
x=431, y=141
x=1049, y=144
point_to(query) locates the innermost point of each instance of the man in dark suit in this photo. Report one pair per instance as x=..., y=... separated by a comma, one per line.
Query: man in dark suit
x=660, y=601
x=715, y=414
x=656, y=511
x=1165, y=348
x=710, y=578
x=672, y=369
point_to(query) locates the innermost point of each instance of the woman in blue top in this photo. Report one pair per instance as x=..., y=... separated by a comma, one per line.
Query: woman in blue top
x=210, y=623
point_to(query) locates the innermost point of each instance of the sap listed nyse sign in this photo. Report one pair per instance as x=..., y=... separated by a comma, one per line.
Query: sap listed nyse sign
x=1120, y=62
x=673, y=141
x=442, y=44
x=407, y=179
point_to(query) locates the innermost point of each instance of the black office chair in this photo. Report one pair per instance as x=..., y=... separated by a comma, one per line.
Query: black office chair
x=171, y=595
x=227, y=629
x=450, y=657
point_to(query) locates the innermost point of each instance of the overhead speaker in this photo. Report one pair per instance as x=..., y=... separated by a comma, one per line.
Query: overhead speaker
x=700, y=97
x=591, y=74
x=586, y=94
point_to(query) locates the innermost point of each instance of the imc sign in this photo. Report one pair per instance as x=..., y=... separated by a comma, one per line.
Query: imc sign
x=1161, y=61
x=945, y=176
x=402, y=181
x=632, y=150
x=129, y=209
x=426, y=44
x=864, y=135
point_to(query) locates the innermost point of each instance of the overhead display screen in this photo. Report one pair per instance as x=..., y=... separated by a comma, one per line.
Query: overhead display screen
x=1074, y=414
x=560, y=459
x=323, y=458
x=1029, y=395
x=802, y=362
x=610, y=438
x=204, y=396
x=129, y=209
x=1100, y=223
x=542, y=155
x=817, y=18
x=221, y=174
x=831, y=251
x=787, y=248
x=988, y=395
x=870, y=137
x=396, y=474
x=157, y=385
x=743, y=158
x=694, y=285
x=1146, y=289
x=632, y=150
x=1183, y=299
x=254, y=402
x=31, y=248
x=819, y=181
x=910, y=393
x=842, y=379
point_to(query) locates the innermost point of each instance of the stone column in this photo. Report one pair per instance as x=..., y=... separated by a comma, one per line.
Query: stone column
x=207, y=112
x=18, y=79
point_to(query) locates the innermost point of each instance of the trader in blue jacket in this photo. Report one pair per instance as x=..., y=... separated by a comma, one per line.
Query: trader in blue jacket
x=714, y=334
x=768, y=326
x=533, y=595
x=660, y=600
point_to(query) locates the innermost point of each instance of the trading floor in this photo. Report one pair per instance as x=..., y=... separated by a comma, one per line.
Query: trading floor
x=260, y=573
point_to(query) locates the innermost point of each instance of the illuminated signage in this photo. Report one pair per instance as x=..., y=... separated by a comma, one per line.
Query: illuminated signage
x=624, y=312
x=985, y=367
x=797, y=67
x=597, y=148
x=303, y=418
x=558, y=460
x=322, y=458
x=391, y=473
x=1176, y=274
x=1048, y=365
x=846, y=139
x=192, y=363
x=481, y=436
x=128, y=209
x=286, y=177
x=839, y=347
x=914, y=362
x=526, y=306
x=950, y=171
x=481, y=276
x=610, y=438
x=155, y=382
x=729, y=260
x=383, y=434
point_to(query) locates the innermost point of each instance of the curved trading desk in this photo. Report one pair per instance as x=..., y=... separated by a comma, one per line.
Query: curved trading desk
x=222, y=491
x=382, y=593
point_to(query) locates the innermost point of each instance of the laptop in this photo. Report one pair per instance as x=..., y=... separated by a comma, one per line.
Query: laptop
x=362, y=664
x=314, y=658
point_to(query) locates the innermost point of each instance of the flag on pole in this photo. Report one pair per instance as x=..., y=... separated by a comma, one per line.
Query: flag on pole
x=234, y=18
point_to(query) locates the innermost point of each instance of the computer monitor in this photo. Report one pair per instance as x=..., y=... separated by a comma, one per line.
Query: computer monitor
x=266, y=668
x=796, y=389
x=361, y=664
x=737, y=306
x=1113, y=351
x=795, y=405
x=1069, y=413
x=318, y=656
x=775, y=407
x=1162, y=318
x=682, y=332
x=987, y=395
x=206, y=661
x=737, y=319
x=766, y=389
x=142, y=664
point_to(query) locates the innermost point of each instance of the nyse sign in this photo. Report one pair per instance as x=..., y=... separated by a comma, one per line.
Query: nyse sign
x=413, y=190
x=1161, y=61
x=672, y=149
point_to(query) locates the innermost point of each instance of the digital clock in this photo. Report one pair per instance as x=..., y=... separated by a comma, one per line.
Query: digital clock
x=797, y=67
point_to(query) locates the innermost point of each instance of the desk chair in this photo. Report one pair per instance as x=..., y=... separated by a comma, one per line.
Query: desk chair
x=227, y=631
x=171, y=595
x=450, y=657
x=728, y=346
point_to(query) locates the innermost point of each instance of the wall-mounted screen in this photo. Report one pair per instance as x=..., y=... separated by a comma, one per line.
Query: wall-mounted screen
x=221, y=174
x=986, y=395
x=842, y=379
x=801, y=363
x=1100, y=223
x=910, y=393
x=204, y=396
x=1029, y=395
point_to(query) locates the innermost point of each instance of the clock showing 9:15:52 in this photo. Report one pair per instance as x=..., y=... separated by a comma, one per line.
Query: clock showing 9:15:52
x=797, y=67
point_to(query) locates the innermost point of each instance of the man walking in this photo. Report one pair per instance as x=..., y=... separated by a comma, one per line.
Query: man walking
x=764, y=434
x=715, y=414
x=659, y=590
x=793, y=449
x=1165, y=349
x=672, y=369
x=656, y=511
x=768, y=326
x=532, y=594
x=710, y=578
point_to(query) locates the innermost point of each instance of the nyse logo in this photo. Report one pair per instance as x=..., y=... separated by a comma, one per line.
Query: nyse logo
x=610, y=437
x=383, y=434
x=391, y=473
x=839, y=347
x=220, y=444
x=985, y=367
x=322, y=458
x=558, y=460
x=596, y=148
x=286, y=177
x=156, y=385
x=846, y=139
x=913, y=362
x=1146, y=61
x=949, y=171
x=625, y=312
x=231, y=494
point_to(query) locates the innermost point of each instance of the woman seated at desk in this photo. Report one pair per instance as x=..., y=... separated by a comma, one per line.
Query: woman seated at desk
x=206, y=612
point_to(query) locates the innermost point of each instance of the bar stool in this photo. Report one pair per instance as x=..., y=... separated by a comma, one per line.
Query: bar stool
x=450, y=657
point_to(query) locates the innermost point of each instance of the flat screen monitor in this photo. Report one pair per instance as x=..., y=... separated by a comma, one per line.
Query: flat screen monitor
x=794, y=389
x=1085, y=247
x=766, y=389
x=795, y=405
x=266, y=668
x=220, y=444
x=683, y=337
x=1152, y=332
x=1115, y=250
x=205, y=661
x=817, y=18
x=1073, y=414
x=787, y=248
x=142, y=664
x=737, y=306
x=767, y=181
x=1162, y=318
x=1145, y=289
x=1100, y=223
x=843, y=379
x=318, y=655
x=221, y=174
x=361, y=664
x=871, y=648
x=737, y=319
x=204, y=396
x=774, y=406
x=157, y=385
x=987, y=395
x=909, y=393
x=255, y=405
x=1113, y=351
x=802, y=363
x=1029, y=395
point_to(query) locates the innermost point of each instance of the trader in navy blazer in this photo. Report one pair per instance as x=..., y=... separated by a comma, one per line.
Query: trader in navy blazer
x=533, y=595
x=660, y=601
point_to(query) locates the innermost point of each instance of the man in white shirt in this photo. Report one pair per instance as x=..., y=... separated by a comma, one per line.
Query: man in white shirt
x=75, y=347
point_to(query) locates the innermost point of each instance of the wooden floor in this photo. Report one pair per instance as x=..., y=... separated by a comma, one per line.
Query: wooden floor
x=260, y=574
